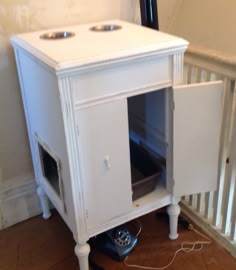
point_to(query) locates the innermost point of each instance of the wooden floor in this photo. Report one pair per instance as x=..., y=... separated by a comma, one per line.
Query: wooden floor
x=42, y=245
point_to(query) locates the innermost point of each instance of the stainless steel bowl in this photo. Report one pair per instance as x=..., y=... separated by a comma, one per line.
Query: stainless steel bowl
x=105, y=27
x=57, y=35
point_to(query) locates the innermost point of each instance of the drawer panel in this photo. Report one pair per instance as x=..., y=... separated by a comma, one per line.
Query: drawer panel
x=121, y=78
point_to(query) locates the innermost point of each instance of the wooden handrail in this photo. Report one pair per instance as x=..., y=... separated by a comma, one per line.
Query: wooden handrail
x=212, y=60
x=212, y=55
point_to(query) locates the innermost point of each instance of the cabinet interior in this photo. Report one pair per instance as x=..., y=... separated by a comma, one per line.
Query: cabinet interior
x=148, y=143
x=49, y=166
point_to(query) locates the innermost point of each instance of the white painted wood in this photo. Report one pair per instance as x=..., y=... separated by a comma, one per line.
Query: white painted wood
x=185, y=73
x=44, y=203
x=173, y=211
x=178, y=68
x=224, y=147
x=208, y=205
x=200, y=202
x=169, y=106
x=195, y=75
x=191, y=200
x=146, y=204
x=80, y=231
x=222, y=201
x=232, y=193
x=80, y=51
x=83, y=92
x=227, y=207
x=189, y=75
x=57, y=196
x=21, y=77
x=98, y=84
x=44, y=115
x=186, y=198
x=124, y=94
x=76, y=95
x=214, y=61
x=82, y=252
x=18, y=200
x=199, y=75
x=208, y=76
x=233, y=217
x=197, y=117
x=104, y=160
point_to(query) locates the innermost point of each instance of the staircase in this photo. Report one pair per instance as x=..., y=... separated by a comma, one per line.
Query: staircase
x=215, y=211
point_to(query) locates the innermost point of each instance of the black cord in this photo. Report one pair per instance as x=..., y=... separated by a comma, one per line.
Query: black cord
x=184, y=222
x=181, y=220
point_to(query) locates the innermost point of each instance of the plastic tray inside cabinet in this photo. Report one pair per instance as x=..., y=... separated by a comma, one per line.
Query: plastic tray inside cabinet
x=145, y=170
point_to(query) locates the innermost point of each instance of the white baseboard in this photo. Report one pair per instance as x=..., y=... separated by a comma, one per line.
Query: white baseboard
x=18, y=200
x=212, y=231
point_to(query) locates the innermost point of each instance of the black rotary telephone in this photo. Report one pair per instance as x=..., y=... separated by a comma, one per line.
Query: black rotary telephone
x=116, y=243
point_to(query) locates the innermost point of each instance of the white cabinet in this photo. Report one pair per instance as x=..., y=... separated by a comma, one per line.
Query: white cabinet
x=85, y=97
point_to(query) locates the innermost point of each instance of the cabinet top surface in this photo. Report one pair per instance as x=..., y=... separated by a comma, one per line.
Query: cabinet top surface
x=88, y=47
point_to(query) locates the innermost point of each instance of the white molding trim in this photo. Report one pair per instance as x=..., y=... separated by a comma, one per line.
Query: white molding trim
x=71, y=67
x=212, y=231
x=121, y=94
x=81, y=233
x=18, y=200
x=178, y=61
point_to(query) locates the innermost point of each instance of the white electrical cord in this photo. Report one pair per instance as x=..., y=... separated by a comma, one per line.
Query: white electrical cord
x=140, y=227
x=186, y=247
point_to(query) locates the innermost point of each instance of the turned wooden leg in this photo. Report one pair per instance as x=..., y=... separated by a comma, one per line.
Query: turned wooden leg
x=82, y=252
x=44, y=203
x=173, y=211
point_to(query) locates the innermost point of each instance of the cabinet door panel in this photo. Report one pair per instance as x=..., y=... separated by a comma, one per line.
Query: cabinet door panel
x=105, y=163
x=197, y=119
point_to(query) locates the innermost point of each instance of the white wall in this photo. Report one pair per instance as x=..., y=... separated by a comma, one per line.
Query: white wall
x=27, y=15
x=207, y=23
x=166, y=11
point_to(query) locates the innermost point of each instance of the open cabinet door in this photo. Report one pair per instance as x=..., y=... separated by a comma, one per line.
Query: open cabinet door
x=196, y=137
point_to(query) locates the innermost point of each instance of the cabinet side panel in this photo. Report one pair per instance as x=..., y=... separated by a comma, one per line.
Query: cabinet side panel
x=43, y=109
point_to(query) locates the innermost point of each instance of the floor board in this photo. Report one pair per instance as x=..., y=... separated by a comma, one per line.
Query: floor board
x=37, y=244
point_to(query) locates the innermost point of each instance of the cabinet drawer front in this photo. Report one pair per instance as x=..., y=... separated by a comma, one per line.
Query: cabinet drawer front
x=104, y=159
x=121, y=78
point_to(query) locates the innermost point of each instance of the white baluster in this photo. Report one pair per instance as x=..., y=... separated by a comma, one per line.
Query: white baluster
x=230, y=179
x=208, y=205
x=227, y=104
x=200, y=202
